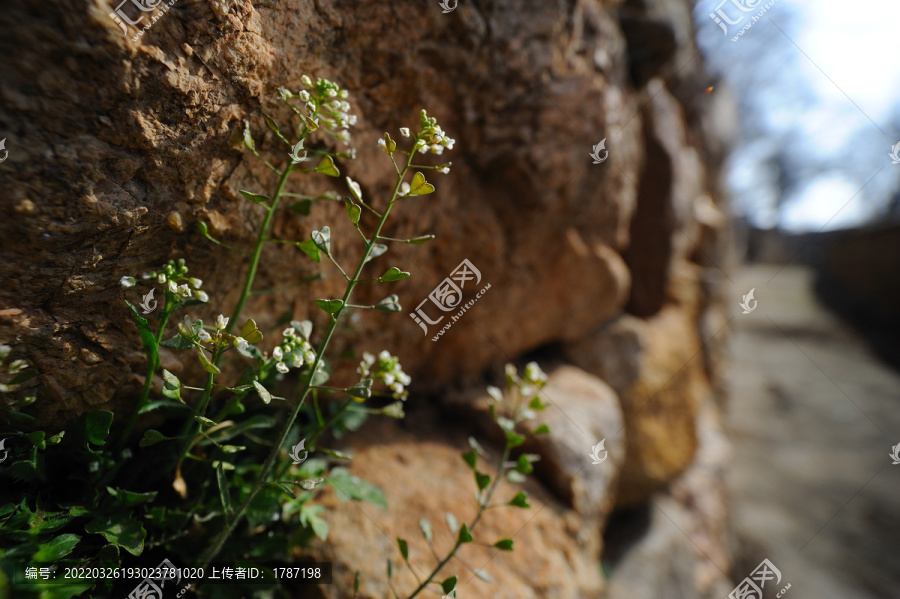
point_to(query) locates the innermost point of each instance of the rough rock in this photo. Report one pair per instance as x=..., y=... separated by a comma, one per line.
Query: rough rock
x=427, y=478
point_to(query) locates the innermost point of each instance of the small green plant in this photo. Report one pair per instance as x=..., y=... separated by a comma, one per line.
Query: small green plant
x=509, y=410
x=210, y=482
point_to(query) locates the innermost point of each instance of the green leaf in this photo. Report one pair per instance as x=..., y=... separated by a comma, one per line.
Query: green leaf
x=421, y=239
x=177, y=342
x=389, y=304
x=523, y=465
x=362, y=390
x=309, y=517
x=131, y=498
x=274, y=127
x=520, y=500
x=57, y=548
x=96, y=426
x=322, y=239
x=330, y=305
x=393, y=274
x=471, y=458
x=170, y=379
x=353, y=211
x=482, y=480
x=513, y=440
x=263, y=392
x=258, y=421
x=120, y=530
x=340, y=455
x=452, y=522
x=541, y=430
x=464, y=535
x=309, y=248
x=390, y=144
x=377, y=250
x=504, y=544
x=356, y=584
x=147, y=337
x=152, y=437
x=349, y=486
x=251, y=332
x=155, y=405
x=404, y=549
x=390, y=568
x=248, y=139
x=207, y=365
x=448, y=584
x=419, y=186
x=536, y=404
x=425, y=527
x=204, y=421
x=37, y=439
x=255, y=197
x=302, y=207
x=223, y=489
x=327, y=167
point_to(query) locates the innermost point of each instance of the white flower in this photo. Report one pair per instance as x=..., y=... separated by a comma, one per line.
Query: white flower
x=335, y=105
x=444, y=170
x=368, y=358
x=17, y=365
x=283, y=94
x=382, y=143
x=173, y=287
x=94, y=467
x=404, y=188
x=351, y=153
x=384, y=355
x=495, y=393
x=203, y=335
x=396, y=387
x=202, y=296
x=394, y=410
x=354, y=188
x=195, y=283
x=343, y=93
x=534, y=373
x=528, y=391
x=304, y=96
x=281, y=367
x=389, y=379
x=127, y=281
x=221, y=322
x=4, y=350
x=311, y=106
x=404, y=131
x=289, y=332
x=437, y=137
x=296, y=361
x=437, y=149
x=161, y=278
x=305, y=80
x=352, y=120
x=184, y=290
x=331, y=93
x=345, y=106
x=404, y=378
x=240, y=343
x=448, y=142
x=344, y=136
x=309, y=356
x=277, y=353
x=423, y=148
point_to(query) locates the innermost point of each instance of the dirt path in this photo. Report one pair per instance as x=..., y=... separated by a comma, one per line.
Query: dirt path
x=813, y=415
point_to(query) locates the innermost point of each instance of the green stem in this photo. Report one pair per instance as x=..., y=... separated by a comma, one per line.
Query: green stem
x=257, y=252
x=217, y=544
x=481, y=509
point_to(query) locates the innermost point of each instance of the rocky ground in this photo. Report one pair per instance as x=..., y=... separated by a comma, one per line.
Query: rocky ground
x=812, y=416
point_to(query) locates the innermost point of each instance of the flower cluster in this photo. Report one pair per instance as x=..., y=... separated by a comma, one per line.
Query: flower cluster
x=173, y=277
x=525, y=390
x=431, y=137
x=14, y=368
x=295, y=350
x=326, y=107
x=386, y=368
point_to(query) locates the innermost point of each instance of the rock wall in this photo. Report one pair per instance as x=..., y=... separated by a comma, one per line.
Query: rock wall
x=117, y=148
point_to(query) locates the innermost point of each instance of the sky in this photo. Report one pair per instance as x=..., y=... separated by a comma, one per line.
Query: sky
x=820, y=81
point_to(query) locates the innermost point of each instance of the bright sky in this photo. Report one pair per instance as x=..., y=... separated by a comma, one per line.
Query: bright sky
x=825, y=87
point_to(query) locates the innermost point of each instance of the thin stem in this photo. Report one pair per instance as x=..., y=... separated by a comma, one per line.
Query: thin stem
x=217, y=544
